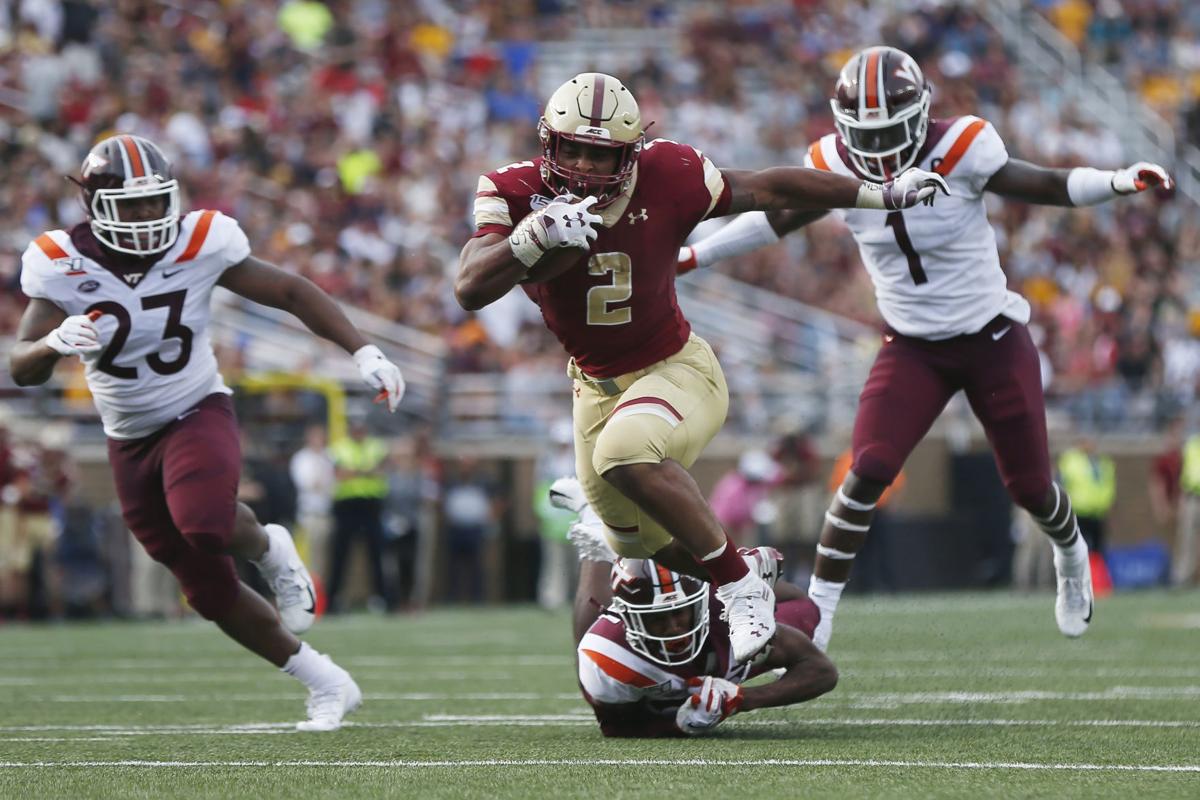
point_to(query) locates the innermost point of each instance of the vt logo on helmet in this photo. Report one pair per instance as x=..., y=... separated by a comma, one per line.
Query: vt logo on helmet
x=881, y=109
x=665, y=613
x=131, y=195
x=591, y=135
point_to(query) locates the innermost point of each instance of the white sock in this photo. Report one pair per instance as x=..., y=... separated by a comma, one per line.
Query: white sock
x=272, y=560
x=311, y=668
x=1071, y=560
x=825, y=594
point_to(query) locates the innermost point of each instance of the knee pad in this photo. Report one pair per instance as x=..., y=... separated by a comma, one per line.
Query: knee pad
x=877, y=462
x=631, y=439
x=209, y=583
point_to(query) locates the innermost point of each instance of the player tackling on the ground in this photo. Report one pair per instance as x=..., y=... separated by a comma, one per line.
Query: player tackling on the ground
x=591, y=229
x=128, y=292
x=951, y=322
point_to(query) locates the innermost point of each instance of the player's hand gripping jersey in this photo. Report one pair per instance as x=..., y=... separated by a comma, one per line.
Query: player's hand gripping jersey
x=616, y=311
x=935, y=268
x=157, y=361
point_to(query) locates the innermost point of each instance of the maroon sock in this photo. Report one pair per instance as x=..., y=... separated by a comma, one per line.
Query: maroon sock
x=725, y=567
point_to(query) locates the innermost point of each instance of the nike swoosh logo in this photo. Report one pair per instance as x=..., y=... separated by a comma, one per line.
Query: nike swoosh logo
x=187, y=414
x=1088, y=618
x=996, y=336
x=312, y=601
x=166, y=274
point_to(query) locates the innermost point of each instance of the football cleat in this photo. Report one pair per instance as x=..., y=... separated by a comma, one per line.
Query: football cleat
x=750, y=613
x=587, y=535
x=764, y=562
x=328, y=707
x=295, y=594
x=1073, y=605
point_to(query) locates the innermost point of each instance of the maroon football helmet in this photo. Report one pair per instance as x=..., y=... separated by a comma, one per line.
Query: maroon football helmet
x=665, y=613
x=881, y=109
x=120, y=178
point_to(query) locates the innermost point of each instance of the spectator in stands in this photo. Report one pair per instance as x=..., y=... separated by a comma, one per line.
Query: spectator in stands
x=403, y=516
x=358, y=498
x=1090, y=480
x=312, y=473
x=741, y=498
x=470, y=511
x=800, y=496
x=556, y=570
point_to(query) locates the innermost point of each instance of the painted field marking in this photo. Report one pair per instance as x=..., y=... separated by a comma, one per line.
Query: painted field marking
x=632, y=762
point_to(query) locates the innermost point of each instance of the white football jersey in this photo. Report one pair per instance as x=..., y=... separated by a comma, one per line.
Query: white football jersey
x=159, y=360
x=935, y=268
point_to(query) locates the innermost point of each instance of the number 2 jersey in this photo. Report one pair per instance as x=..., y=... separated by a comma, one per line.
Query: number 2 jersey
x=935, y=268
x=616, y=310
x=158, y=361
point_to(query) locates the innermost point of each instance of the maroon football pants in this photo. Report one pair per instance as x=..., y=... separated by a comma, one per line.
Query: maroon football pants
x=178, y=493
x=912, y=380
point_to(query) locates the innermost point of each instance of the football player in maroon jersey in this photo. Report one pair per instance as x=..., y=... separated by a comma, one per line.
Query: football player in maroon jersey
x=590, y=230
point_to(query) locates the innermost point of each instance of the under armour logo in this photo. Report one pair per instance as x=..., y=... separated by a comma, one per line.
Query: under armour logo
x=635, y=217
x=133, y=278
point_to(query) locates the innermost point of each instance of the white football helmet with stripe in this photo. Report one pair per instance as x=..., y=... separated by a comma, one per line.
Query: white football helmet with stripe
x=881, y=110
x=597, y=110
x=665, y=613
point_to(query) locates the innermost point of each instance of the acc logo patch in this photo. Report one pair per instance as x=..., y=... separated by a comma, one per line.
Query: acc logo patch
x=89, y=286
x=539, y=201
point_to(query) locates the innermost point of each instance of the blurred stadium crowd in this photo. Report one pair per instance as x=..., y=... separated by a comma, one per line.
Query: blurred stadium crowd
x=347, y=136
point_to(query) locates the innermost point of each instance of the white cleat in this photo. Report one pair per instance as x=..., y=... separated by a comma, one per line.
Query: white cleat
x=764, y=562
x=567, y=493
x=295, y=595
x=327, y=708
x=823, y=632
x=750, y=612
x=1073, y=606
x=587, y=534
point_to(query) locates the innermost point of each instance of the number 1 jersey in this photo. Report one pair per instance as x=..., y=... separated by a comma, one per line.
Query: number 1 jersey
x=158, y=361
x=935, y=268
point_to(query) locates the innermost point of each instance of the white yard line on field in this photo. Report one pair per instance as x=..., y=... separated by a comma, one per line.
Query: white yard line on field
x=615, y=762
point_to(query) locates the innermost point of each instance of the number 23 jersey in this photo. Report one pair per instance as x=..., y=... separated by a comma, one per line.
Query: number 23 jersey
x=935, y=268
x=158, y=361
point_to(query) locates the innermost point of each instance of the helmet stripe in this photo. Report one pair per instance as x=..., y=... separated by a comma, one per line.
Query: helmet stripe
x=666, y=582
x=874, y=78
x=597, y=101
x=137, y=167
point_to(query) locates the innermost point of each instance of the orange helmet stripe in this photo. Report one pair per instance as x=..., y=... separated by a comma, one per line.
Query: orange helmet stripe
x=198, y=236
x=956, y=151
x=872, y=79
x=137, y=168
x=665, y=580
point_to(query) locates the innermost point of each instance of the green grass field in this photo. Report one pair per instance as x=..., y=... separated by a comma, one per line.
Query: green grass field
x=970, y=695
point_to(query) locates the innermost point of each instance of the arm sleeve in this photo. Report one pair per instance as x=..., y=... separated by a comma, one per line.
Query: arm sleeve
x=747, y=232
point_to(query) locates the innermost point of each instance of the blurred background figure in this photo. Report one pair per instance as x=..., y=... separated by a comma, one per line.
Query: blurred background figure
x=741, y=498
x=470, y=511
x=800, y=497
x=557, y=570
x=1090, y=479
x=408, y=490
x=312, y=472
x=1183, y=564
x=358, y=498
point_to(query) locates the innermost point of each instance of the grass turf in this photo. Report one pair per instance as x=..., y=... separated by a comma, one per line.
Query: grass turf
x=940, y=696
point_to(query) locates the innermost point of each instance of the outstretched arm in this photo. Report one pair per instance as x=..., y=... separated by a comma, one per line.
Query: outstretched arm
x=792, y=197
x=1081, y=186
x=809, y=673
x=32, y=359
x=266, y=283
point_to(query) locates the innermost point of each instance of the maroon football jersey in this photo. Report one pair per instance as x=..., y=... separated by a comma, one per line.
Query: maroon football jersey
x=616, y=311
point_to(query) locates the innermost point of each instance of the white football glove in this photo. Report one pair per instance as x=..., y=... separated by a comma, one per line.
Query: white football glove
x=1139, y=177
x=911, y=187
x=381, y=374
x=76, y=336
x=564, y=222
x=712, y=700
